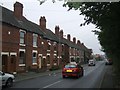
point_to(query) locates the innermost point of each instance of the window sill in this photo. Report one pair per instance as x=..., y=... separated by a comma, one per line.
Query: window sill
x=22, y=44
x=35, y=46
x=48, y=64
x=34, y=63
x=21, y=65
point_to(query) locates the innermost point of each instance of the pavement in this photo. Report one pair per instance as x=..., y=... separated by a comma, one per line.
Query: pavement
x=107, y=82
x=108, y=78
x=30, y=75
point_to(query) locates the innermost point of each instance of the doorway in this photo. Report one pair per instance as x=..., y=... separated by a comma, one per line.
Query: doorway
x=4, y=63
x=13, y=63
x=40, y=58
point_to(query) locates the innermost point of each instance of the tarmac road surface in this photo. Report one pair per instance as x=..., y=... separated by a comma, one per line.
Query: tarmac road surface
x=93, y=77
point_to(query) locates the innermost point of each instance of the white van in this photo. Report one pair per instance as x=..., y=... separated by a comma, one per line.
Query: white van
x=91, y=62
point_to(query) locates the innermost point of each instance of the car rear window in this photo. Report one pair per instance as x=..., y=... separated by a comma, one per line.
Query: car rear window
x=70, y=66
x=90, y=61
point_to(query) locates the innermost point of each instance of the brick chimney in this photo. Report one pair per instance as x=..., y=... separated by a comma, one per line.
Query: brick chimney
x=83, y=44
x=57, y=30
x=68, y=37
x=42, y=23
x=78, y=42
x=74, y=40
x=18, y=10
x=61, y=33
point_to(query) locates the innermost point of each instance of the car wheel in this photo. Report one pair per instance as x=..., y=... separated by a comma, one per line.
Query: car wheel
x=78, y=75
x=81, y=74
x=9, y=82
x=63, y=76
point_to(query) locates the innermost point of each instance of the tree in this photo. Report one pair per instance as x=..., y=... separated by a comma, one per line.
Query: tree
x=105, y=15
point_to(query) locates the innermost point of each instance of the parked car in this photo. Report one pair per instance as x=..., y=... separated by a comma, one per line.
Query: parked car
x=108, y=62
x=74, y=70
x=7, y=79
x=91, y=62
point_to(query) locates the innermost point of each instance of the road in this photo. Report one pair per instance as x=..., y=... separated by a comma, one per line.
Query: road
x=92, y=78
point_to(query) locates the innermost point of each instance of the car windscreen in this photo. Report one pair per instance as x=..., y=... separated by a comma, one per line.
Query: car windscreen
x=70, y=66
x=0, y=73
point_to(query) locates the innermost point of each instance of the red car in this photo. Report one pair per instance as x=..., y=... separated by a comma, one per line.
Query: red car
x=109, y=62
x=72, y=70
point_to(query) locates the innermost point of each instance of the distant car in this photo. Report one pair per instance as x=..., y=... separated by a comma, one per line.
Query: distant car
x=7, y=79
x=91, y=62
x=108, y=62
x=73, y=70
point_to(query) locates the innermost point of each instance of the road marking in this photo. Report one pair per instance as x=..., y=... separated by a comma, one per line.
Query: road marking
x=52, y=84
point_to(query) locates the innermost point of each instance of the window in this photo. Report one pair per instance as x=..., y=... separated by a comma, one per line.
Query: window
x=72, y=59
x=55, y=59
x=54, y=44
x=48, y=59
x=34, y=57
x=22, y=37
x=34, y=40
x=70, y=66
x=55, y=48
x=48, y=47
x=22, y=57
x=62, y=47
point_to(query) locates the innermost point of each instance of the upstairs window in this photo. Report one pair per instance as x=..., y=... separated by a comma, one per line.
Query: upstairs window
x=49, y=44
x=55, y=48
x=48, y=47
x=62, y=47
x=22, y=37
x=35, y=40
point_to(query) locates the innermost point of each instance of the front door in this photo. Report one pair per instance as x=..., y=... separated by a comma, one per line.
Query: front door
x=13, y=63
x=4, y=63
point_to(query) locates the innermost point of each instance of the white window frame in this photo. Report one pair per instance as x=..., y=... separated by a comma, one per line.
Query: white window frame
x=54, y=43
x=22, y=50
x=34, y=51
x=22, y=44
x=35, y=35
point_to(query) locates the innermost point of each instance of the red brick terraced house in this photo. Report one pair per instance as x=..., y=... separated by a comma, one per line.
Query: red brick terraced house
x=27, y=46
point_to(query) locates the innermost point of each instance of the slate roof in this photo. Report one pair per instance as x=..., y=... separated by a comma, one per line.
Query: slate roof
x=9, y=18
x=30, y=26
x=70, y=44
x=51, y=36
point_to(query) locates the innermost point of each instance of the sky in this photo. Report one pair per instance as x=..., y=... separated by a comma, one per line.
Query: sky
x=56, y=14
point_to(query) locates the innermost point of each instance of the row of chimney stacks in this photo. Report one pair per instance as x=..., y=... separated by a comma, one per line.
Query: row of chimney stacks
x=18, y=12
x=59, y=33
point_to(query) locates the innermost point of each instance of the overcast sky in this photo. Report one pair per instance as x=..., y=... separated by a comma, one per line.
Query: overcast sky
x=56, y=14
